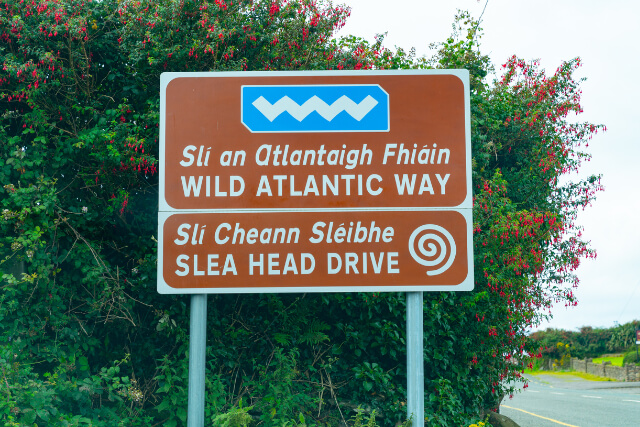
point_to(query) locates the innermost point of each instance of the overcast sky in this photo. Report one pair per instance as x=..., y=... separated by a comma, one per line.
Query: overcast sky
x=605, y=35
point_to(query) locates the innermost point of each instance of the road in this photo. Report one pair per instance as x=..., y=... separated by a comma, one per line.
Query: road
x=552, y=401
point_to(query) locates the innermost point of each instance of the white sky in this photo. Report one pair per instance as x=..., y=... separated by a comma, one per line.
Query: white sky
x=605, y=35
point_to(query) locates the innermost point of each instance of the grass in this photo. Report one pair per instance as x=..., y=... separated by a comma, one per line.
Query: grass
x=615, y=360
x=582, y=375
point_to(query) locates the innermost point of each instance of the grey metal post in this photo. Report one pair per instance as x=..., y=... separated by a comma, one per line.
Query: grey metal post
x=415, y=358
x=197, y=355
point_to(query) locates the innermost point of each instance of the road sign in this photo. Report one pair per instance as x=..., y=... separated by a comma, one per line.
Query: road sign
x=315, y=181
x=335, y=251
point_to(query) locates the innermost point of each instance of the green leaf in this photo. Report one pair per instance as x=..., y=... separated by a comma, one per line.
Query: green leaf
x=28, y=416
x=44, y=414
x=84, y=363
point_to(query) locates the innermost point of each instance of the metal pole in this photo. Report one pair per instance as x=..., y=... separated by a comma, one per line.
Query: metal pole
x=197, y=355
x=415, y=358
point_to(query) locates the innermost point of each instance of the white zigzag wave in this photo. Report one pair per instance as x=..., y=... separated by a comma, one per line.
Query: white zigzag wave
x=329, y=112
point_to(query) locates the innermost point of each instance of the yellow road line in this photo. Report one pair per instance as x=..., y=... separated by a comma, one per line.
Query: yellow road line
x=539, y=416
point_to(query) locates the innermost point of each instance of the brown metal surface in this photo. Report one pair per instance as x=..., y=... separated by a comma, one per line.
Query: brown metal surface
x=425, y=111
x=373, y=249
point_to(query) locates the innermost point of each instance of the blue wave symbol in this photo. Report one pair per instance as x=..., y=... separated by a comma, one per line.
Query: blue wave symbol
x=315, y=108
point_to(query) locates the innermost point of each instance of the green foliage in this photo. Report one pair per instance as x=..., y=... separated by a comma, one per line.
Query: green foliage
x=236, y=417
x=64, y=397
x=281, y=398
x=79, y=103
x=358, y=419
x=526, y=243
x=588, y=342
x=631, y=358
x=460, y=50
x=622, y=337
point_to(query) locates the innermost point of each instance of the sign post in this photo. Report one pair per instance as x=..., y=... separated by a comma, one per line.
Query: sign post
x=316, y=182
x=197, y=362
x=415, y=357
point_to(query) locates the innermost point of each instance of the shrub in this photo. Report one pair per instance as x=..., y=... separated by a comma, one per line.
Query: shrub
x=79, y=102
x=630, y=358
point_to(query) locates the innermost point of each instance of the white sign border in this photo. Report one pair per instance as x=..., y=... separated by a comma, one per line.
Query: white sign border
x=464, y=208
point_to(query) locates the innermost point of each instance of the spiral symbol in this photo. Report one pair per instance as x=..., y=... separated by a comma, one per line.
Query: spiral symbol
x=432, y=248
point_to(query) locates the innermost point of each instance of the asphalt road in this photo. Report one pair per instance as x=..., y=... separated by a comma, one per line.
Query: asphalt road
x=552, y=401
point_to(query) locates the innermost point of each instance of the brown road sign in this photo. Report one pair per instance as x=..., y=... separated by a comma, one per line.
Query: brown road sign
x=319, y=159
x=313, y=140
x=308, y=252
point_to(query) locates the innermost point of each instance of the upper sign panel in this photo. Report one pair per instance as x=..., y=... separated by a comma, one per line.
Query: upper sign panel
x=314, y=140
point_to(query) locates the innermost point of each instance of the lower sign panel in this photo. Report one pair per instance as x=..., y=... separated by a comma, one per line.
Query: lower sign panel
x=363, y=251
